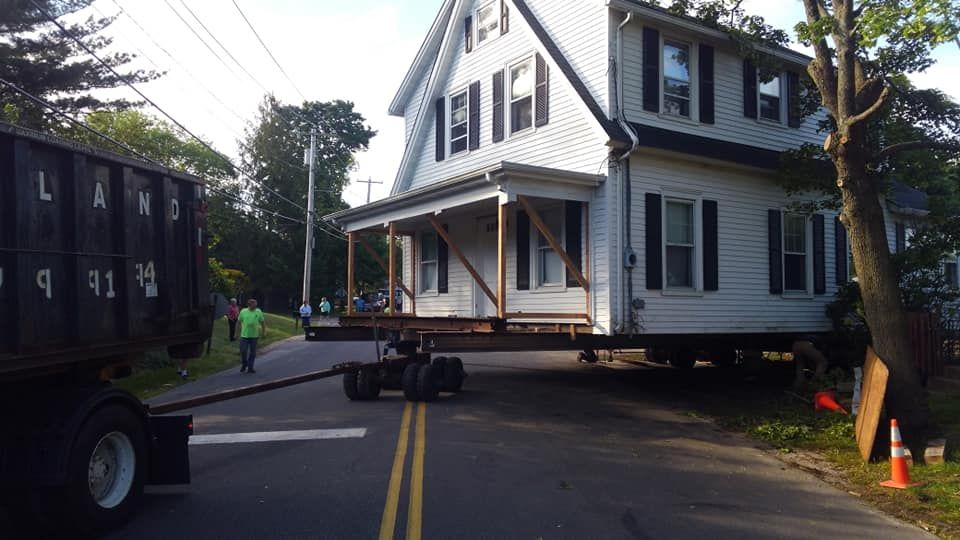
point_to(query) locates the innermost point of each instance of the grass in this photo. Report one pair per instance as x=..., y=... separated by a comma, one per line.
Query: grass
x=790, y=425
x=157, y=373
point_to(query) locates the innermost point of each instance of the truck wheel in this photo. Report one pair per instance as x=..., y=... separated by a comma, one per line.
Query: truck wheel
x=107, y=470
x=368, y=384
x=439, y=365
x=350, y=386
x=409, y=381
x=683, y=359
x=453, y=375
x=427, y=387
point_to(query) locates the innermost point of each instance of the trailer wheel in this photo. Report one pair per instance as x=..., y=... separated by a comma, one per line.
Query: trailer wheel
x=351, y=386
x=439, y=366
x=107, y=470
x=368, y=384
x=427, y=387
x=683, y=359
x=453, y=375
x=409, y=381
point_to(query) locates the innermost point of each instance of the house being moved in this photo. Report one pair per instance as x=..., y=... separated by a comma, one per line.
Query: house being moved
x=608, y=168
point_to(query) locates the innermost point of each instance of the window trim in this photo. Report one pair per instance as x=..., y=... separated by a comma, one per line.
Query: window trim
x=808, y=255
x=476, y=24
x=782, y=103
x=694, y=54
x=465, y=90
x=508, y=96
x=421, y=291
x=696, y=202
x=535, y=248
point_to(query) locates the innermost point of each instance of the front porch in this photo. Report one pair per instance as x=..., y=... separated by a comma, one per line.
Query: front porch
x=467, y=253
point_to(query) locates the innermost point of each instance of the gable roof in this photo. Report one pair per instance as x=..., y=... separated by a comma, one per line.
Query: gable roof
x=424, y=59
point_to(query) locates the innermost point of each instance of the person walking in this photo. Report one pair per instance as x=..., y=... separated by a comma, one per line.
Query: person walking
x=305, y=313
x=325, y=307
x=233, y=311
x=252, y=327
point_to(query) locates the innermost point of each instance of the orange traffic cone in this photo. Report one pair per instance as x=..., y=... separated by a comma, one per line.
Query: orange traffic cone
x=827, y=400
x=899, y=474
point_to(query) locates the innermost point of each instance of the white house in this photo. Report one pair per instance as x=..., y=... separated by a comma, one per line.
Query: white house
x=639, y=139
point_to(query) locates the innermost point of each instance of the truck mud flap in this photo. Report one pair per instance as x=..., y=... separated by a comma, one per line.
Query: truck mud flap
x=170, y=456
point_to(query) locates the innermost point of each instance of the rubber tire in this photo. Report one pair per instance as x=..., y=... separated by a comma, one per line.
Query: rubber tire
x=408, y=381
x=368, y=384
x=351, y=385
x=453, y=375
x=439, y=366
x=391, y=381
x=683, y=359
x=84, y=515
x=427, y=387
x=589, y=357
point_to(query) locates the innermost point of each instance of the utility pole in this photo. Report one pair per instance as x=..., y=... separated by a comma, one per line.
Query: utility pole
x=369, y=182
x=308, y=249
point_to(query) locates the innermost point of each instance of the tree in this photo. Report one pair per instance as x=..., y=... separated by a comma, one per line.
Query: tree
x=39, y=58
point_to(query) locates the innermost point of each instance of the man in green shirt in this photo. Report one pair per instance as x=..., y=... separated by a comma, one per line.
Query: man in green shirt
x=252, y=326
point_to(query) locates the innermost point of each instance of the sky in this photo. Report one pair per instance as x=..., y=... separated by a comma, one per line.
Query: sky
x=356, y=50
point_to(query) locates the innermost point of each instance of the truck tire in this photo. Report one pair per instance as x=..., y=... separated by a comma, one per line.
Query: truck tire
x=453, y=375
x=427, y=387
x=368, y=384
x=439, y=365
x=350, y=386
x=409, y=379
x=106, y=471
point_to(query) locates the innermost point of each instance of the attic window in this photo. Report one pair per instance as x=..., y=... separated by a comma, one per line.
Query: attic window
x=521, y=96
x=458, y=123
x=488, y=22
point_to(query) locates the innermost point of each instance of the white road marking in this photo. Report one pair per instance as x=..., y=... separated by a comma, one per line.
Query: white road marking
x=270, y=436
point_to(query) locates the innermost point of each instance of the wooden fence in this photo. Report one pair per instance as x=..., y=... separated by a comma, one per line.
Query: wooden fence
x=928, y=344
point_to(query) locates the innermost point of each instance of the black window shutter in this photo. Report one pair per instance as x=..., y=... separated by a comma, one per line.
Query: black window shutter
x=573, y=238
x=523, y=251
x=497, y=106
x=654, y=225
x=473, y=98
x=542, y=93
x=441, y=107
x=442, y=256
x=840, y=250
x=794, y=119
x=711, y=247
x=504, y=18
x=468, y=34
x=819, y=260
x=901, y=241
x=651, y=70
x=749, y=89
x=776, y=252
x=706, y=84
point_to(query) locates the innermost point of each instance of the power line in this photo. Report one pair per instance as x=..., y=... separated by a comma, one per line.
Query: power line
x=272, y=57
x=205, y=44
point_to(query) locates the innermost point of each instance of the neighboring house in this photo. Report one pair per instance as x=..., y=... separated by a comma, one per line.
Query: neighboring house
x=639, y=139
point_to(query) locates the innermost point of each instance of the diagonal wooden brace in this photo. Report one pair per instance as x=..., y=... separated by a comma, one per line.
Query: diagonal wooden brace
x=554, y=244
x=376, y=256
x=463, y=260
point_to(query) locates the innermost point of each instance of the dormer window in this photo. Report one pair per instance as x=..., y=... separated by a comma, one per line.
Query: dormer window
x=770, y=97
x=458, y=123
x=488, y=22
x=676, y=78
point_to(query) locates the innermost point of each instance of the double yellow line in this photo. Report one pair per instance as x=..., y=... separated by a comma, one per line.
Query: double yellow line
x=388, y=522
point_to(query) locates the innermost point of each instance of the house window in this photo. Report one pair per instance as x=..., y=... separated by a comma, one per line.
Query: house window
x=488, y=23
x=458, y=123
x=521, y=96
x=680, y=244
x=794, y=253
x=770, y=93
x=950, y=274
x=550, y=268
x=676, y=78
x=428, y=262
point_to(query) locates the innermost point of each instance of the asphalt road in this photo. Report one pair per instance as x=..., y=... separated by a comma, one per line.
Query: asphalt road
x=536, y=446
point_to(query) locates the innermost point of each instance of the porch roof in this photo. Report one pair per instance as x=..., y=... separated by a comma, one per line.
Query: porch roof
x=504, y=180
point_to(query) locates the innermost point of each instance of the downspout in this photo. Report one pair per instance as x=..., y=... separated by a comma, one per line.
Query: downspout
x=628, y=313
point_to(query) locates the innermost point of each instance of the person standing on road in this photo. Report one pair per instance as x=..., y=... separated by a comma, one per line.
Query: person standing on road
x=305, y=313
x=233, y=311
x=252, y=327
x=325, y=307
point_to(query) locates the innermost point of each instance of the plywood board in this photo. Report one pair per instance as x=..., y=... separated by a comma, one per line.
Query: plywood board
x=875, y=375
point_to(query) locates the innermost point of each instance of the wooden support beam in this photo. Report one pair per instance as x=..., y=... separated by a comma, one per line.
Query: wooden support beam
x=554, y=244
x=413, y=274
x=392, y=271
x=501, y=261
x=350, y=256
x=463, y=260
x=586, y=257
x=383, y=265
x=531, y=315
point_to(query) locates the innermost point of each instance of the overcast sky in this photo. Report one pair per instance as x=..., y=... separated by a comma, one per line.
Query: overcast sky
x=356, y=50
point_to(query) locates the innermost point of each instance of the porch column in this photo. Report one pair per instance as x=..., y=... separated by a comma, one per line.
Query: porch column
x=350, y=255
x=392, y=271
x=502, y=261
x=586, y=258
x=413, y=275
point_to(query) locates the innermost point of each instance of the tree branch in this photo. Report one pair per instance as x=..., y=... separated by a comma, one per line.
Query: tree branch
x=894, y=149
x=821, y=70
x=871, y=110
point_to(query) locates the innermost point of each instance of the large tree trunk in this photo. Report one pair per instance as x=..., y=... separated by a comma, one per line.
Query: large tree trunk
x=886, y=317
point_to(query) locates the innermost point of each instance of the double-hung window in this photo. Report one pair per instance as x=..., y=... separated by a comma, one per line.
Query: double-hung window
x=676, y=78
x=459, y=120
x=770, y=96
x=550, y=268
x=521, y=95
x=680, y=245
x=428, y=262
x=488, y=22
x=795, y=253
